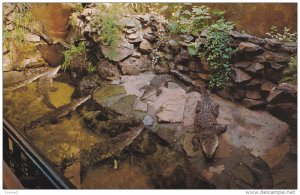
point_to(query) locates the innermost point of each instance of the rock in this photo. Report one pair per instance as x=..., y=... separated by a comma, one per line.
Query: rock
x=130, y=23
x=242, y=64
x=53, y=54
x=253, y=94
x=131, y=66
x=148, y=120
x=257, y=40
x=258, y=58
x=275, y=155
x=289, y=47
x=249, y=47
x=240, y=36
x=204, y=33
x=168, y=134
x=276, y=57
x=282, y=94
x=6, y=61
x=189, y=111
x=254, y=83
x=204, y=64
x=145, y=46
x=203, y=76
x=136, y=55
x=209, y=173
x=276, y=66
x=194, y=66
x=188, y=38
x=107, y=70
x=73, y=174
x=241, y=76
x=286, y=112
x=149, y=37
x=183, y=68
x=255, y=68
x=266, y=87
x=141, y=106
x=123, y=50
x=87, y=84
x=172, y=103
x=251, y=103
x=124, y=105
x=133, y=36
x=32, y=38
x=182, y=57
x=273, y=42
x=103, y=95
x=273, y=75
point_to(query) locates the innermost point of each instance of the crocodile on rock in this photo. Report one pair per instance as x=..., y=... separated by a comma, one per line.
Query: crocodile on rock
x=156, y=85
x=205, y=124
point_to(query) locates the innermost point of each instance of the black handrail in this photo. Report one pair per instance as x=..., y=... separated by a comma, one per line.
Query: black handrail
x=56, y=179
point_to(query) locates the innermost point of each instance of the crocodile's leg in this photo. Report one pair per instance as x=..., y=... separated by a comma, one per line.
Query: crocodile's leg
x=196, y=142
x=221, y=128
x=158, y=92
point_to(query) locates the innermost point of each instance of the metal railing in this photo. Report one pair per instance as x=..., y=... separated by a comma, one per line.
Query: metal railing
x=29, y=165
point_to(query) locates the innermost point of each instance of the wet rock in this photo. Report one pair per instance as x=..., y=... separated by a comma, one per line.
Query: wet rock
x=241, y=76
x=172, y=103
x=87, y=84
x=148, y=120
x=73, y=174
x=253, y=94
x=144, y=143
x=274, y=156
x=255, y=68
x=252, y=103
x=209, y=173
x=249, y=47
x=188, y=147
x=189, y=111
x=145, y=46
x=141, y=106
x=124, y=106
x=123, y=50
x=246, y=178
x=168, y=135
x=103, y=95
x=243, y=64
x=107, y=70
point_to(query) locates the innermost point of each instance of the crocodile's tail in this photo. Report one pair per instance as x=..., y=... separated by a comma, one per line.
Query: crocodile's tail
x=171, y=78
x=48, y=103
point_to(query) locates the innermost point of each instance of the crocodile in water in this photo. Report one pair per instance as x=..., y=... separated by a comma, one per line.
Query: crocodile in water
x=157, y=83
x=53, y=116
x=110, y=148
x=45, y=86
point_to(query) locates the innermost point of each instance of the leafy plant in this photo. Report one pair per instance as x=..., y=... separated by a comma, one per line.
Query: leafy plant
x=286, y=36
x=75, y=56
x=290, y=74
x=217, y=52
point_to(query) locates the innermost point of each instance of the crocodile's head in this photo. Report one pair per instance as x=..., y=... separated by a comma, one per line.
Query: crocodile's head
x=149, y=91
x=210, y=143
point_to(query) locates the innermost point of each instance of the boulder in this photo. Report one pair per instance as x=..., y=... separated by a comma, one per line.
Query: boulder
x=240, y=36
x=242, y=64
x=149, y=37
x=249, y=47
x=241, y=76
x=255, y=68
x=286, y=112
x=123, y=50
x=32, y=38
x=131, y=66
x=252, y=103
x=274, y=156
x=171, y=103
x=130, y=23
x=107, y=70
x=282, y=94
x=145, y=46
x=267, y=87
x=278, y=57
x=253, y=94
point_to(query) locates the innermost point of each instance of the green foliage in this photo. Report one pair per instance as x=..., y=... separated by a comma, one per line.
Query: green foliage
x=72, y=52
x=290, y=74
x=286, y=36
x=217, y=52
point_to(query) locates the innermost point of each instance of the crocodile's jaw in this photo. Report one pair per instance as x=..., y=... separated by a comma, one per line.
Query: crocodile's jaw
x=149, y=91
x=209, y=145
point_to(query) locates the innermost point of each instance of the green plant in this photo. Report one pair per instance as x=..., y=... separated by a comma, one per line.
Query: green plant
x=286, y=36
x=217, y=52
x=72, y=52
x=290, y=74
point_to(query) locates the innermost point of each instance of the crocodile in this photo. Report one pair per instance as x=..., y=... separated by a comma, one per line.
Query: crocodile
x=107, y=149
x=56, y=114
x=45, y=86
x=205, y=124
x=156, y=85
